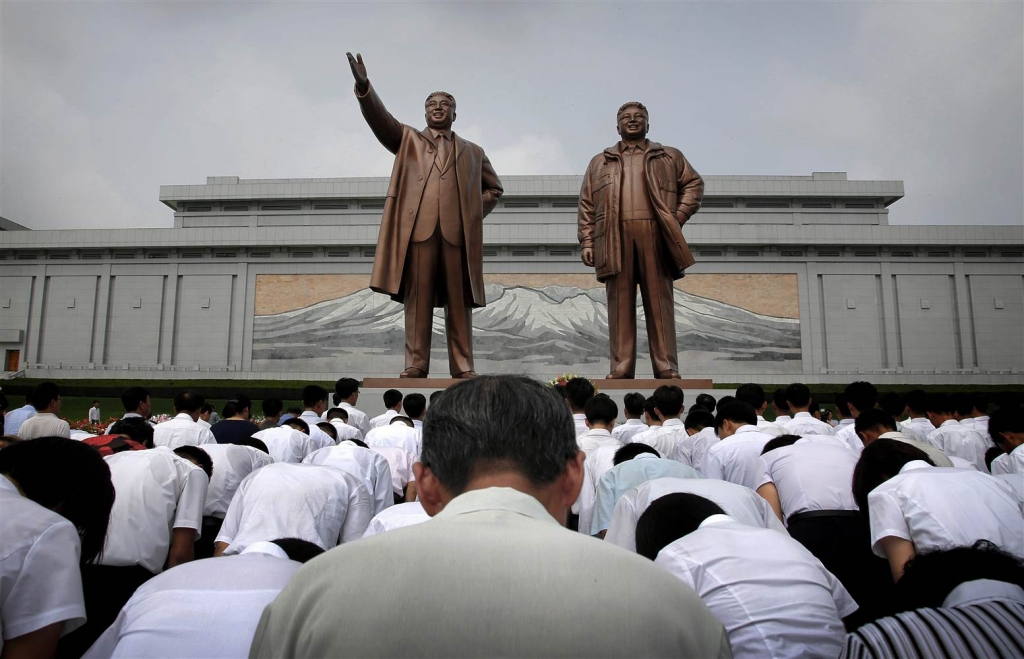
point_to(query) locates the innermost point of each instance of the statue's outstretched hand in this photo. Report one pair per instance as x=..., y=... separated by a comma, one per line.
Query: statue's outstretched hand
x=359, y=72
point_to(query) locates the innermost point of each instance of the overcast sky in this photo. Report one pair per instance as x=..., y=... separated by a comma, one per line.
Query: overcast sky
x=104, y=102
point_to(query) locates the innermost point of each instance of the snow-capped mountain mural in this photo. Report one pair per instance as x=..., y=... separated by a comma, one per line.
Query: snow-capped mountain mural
x=522, y=329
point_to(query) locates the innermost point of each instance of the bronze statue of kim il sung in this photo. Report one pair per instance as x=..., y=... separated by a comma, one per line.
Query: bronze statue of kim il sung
x=635, y=198
x=430, y=247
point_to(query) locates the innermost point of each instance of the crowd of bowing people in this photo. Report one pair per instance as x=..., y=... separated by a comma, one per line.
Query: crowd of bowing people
x=508, y=517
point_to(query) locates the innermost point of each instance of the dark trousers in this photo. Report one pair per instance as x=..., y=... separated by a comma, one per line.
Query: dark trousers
x=204, y=545
x=106, y=590
x=843, y=545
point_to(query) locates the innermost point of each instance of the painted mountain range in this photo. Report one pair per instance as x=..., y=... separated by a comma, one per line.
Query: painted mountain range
x=551, y=326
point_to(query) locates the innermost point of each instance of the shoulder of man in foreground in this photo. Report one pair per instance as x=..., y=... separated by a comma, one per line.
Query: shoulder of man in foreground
x=494, y=582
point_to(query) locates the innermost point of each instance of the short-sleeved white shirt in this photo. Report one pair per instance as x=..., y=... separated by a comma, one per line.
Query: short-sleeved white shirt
x=769, y=428
x=847, y=431
x=231, y=464
x=356, y=417
x=580, y=421
x=962, y=441
x=318, y=439
x=628, y=429
x=371, y=468
x=44, y=424
x=382, y=420
x=741, y=503
x=156, y=492
x=940, y=508
x=181, y=431
x=1009, y=463
x=345, y=431
x=737, y=458
x=286, y=444
x=596, y=438
x=773, y=596
x=400, y=462
x=322, y=505
x=396, y=434
x=665, y=439
x=693, y=450
x=40, y=580
x=804, y=423
x=627, y=475
x=811, y=476
x=598, y=462
x=396, y=517
x=917, y=428
x=205, y=608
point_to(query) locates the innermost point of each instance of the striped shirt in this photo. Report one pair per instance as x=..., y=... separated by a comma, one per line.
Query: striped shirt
x=990, y=627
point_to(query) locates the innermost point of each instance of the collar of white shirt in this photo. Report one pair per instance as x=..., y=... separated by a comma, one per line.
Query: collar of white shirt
x=672, y=422
x=598, y=432
x=579, y=417
x=980, y=419
x=914, y=465
x=646, y=455
x=416, y=423
x=950, y=422
x=981, y=590
x=893, y=435
x=843, y=422
x=7, y=484
x=497, y=498
x=184, y=416
x=803, y=415
x=264, y=547
x=310, y=414
x=746, y=428
x=633, y=422
x=715, y=519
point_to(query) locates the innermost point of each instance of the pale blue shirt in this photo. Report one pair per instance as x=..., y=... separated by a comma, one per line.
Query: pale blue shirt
x=632, y=473
x=14, y=419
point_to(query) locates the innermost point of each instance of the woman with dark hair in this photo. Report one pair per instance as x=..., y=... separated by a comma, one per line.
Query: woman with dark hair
x=56, y=496
x=914, y=506
x=235, y=424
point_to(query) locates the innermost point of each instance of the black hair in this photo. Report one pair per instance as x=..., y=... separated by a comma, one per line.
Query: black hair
x=295, y=411
x=236, y=405
x=707, y=401
x=328, y=429
x=43, y=394
x=197, y=456
x=779, y=398
x=669, y=518
x=3, y=402
x=668, y=398
x=930, y=577
x=414, y=405
x=434, y=395
x=737, y=412
x=879, y=462
x=357, y=442
x=496, y=423
x=601, y=409
x=798, y=395
x=404, y=420
x=917, y=401
x=634, y=403
x=841, y=407
x=963, y=404
x=862, y=395
x=298, y=550
x=313, y=394
x=345, y=387
x=992, y=453
x=938, y=403
x=780, y=442
x=724, y=400
x=578, y=391
x=627, y=452
x=649, y=409
x=298, y=424
x=980, y=401
x=254, y=442
x=272, y=406
x=813, y=408
x=874, y=418
x=136, y=428
x=207, y=408
x=337, y=413
x=751, y=394
x=68, y=477
x=188, y=402
x=133, y=397
x=1005, y=419
x=699, y=419
x=392, y=397
x=892, y=403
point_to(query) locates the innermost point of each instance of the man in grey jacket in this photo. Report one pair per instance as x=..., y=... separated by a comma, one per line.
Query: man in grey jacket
x=494, y=573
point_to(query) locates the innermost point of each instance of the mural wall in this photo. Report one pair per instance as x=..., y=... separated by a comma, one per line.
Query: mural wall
x=537, y=324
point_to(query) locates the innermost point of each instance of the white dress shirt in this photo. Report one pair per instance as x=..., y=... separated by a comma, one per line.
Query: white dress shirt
x=205, y=608
x=396, y=434
x=737, y=458
x=783, y=419
x=665, y=439
x=598, y=462
x=345, y=431
x=286, y=444
x=44, y=424
x=956, y=439
x=769, y=428
x=127, y=415
x=318, y=439
x=1009, y=463
x=203, y=423
x=369, y=467
x=917, y=428
x=596, y=438
x=940, y=508
x=40, y=579
x=938, y=457
x=181, y=431
x=803, y=423
x=628, y=429
x=580, y=421
x=231, y=464
x=356, y=418
x=741, y=503
x=94, y=415
x=773, y=596
x=693, y=450
x=400, y=463
x=322, y=505
x=14, y=419
x=396, y=517
x=382, y=419
x=1016, y=482
x=627, y=475
x=847, y=432
x=811, y=476
x=156, y=492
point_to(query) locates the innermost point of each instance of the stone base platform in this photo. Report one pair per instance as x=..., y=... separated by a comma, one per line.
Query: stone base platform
x=601, y=384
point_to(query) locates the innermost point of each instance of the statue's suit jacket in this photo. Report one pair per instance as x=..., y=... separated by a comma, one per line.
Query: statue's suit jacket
x=479, y=190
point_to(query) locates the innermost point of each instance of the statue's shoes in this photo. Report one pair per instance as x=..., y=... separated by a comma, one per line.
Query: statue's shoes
x=615, y=375
x=413, y=372
x=668, y=375
x=465, y=375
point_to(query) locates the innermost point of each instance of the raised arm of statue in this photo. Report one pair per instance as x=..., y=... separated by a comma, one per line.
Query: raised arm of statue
x=385, y=127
